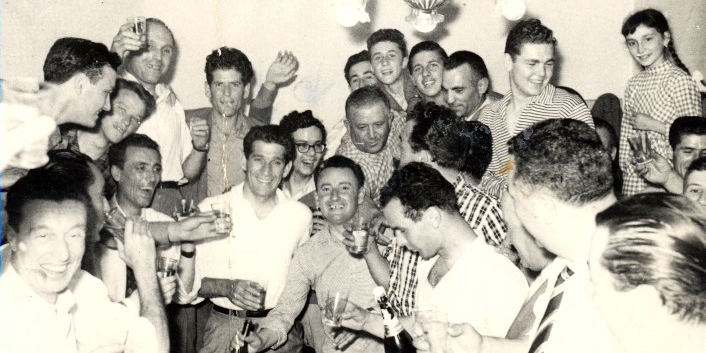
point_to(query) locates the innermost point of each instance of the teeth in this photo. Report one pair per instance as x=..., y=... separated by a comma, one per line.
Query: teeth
x=54, y=270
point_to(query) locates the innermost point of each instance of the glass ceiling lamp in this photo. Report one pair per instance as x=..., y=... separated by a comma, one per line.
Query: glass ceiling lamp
x=424, y=17
x=513, y=10
x=349, y=12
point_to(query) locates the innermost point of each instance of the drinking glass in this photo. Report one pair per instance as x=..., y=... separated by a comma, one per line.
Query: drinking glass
x=222, y=217
x=334, y=307
x=434, y=324
x=641, y=148
x=139, y=24
x=115, y=223
x=166, y=267
x=359, y=229
x=184, y=209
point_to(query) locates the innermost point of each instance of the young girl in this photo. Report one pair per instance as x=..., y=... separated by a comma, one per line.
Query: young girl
x=657, y=95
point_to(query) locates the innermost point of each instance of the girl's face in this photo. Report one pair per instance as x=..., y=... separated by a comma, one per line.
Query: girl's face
x=646, y=45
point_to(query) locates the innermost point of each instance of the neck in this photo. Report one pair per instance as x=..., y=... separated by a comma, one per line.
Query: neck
x=259, y=201
x=673, y=336
x=150, y=87
x=218, y=118
x=297, y=182
x=93, y=144
x=128, y=208
x=437, y=99
x=336, y=231
x=396, y=87
x=459, y=236
x=56, y=105
x=583, y=221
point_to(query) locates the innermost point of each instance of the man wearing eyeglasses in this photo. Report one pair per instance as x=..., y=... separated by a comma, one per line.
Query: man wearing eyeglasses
x=370, y=123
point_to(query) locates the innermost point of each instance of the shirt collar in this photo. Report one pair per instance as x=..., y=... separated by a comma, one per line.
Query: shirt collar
x=665, y=66
x=160, y=89
x=544, y=97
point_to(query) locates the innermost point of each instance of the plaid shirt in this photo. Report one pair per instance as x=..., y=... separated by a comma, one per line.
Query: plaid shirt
x=483, y=215
x=377, y=167
x=481, y=211
x=551, y=103
x=663, y=92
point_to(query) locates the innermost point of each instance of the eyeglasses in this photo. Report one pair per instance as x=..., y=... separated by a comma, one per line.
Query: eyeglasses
x=303, y=147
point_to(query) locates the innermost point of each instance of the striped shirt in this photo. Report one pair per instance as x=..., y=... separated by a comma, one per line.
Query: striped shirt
x=551, y=103
x=663, y=92
x=377, y=167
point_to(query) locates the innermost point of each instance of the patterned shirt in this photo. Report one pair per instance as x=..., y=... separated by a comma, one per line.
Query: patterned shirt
x=663, y=92
x=483, y=215
x=551, y=103
x=377, y=167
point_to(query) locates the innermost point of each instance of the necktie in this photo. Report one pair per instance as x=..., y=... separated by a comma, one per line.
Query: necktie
x=545, y=325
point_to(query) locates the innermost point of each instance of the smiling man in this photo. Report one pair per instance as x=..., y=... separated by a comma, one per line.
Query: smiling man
x=243, y=274
x=466, y=85
x=388, y=55
x=372, y=139
x=426, y=64
x=529, y=60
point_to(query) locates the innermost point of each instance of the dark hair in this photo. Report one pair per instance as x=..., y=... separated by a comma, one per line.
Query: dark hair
x=70, y=56
x=135, y=87
x=472, y=59
x=295, y=120
x=461, y=145
x=418, y=187
x=366, y=96
x=388, y=35
x=653, y=19
x=338, y=161
x=659, y=239
x=686, y=125
x=617, y=172
x=530, y=31
x=356, y=58
x=427, y=45
x=270, y=134
x=565, y=157
x=698, y=165
x=67, y=176
x=226, y=58
x=116, y=152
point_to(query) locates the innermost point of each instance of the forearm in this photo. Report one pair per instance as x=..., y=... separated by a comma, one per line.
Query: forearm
x=194, y=164
x=674, y=183
x=261, y=106
x=186, y=267
x=378, y=266
x=151, y=305
x=215, y=287
x=657, y=126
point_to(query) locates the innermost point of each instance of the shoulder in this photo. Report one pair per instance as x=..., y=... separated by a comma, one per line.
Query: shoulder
x=152, y=215
x=200, y=112
x=677, y=77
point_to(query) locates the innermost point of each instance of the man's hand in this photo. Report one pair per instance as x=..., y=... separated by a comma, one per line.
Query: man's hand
x=126, y=41
x=257, y=341
x=197, y=227
x=24, y=135
x=168, y=286
x=641, y=121
x=343, y=338
x=354, y=317
x=246, y=294
x=383, y=235
x=281, y=70
x=200, y=133
x=657, y=171
x=318, y=222
x=462, y=338
x=138, y=251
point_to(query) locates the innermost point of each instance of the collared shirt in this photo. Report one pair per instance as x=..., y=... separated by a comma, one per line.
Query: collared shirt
x=81, y=320
x=334, y=137
x=577, y=325
x=324, y=264
x=551, y=103
x=256, y=249
x=481, y=211
x=483, y=215
x=308, y=188
x=411, y=96
x=69, y=140
x=664, y=92
x=490, y=99
x=377, y=167
x=226, y=156
x=167, y=126
x=482, y=288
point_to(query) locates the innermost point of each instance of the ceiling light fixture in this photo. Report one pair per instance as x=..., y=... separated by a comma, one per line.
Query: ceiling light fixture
x=424, y=17
x=349, y=12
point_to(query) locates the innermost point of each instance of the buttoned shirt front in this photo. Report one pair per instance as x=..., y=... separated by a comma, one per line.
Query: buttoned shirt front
x=256, y=249
x=226, y=156
x=167, y=126
x=82, y=319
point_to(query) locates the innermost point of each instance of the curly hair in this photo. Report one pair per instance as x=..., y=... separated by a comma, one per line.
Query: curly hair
x=427, y=45
x=70, y=56
x=653, y=19
x=564, y=157
x=530, y=31
x=226, y=58
x=356, y=58
x=301, y=120
x=659, y=239
x=686, y=125
x=270, y=134
x=388, y=35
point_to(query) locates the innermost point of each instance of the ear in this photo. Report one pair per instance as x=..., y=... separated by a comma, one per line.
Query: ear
x=116, y=173
x=80, y=82
x=508, y=62
x=287, y=168
x=545, y=206
x=432, y=215
x=361, y=196
x=424, y=157
x=613, y=153
x=666, y=38
x=405, y=61
x=246, y=91
x=207, y=89
x=483, y=85
x=347, y=124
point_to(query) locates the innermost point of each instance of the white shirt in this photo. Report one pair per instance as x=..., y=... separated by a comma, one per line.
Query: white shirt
x=256, y=249
x=578, y=328
x=309, y=187
x=482, y=288
x=82, y=319
x=334, y=137
x=167, y=126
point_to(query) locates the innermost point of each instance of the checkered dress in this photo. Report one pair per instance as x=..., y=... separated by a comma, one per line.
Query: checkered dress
x=377, y=167
x=663, y=92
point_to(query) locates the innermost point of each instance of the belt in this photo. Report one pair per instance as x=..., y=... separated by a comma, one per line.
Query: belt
x=241, y=313
x=168, y=185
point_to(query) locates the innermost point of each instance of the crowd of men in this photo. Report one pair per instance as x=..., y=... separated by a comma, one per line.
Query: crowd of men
x=496, y=210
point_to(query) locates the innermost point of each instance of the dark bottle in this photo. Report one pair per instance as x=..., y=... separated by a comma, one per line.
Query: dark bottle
x=397, y=339
x=247, y=326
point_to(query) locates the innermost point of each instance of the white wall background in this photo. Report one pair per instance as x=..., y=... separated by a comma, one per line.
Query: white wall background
x=594, y=58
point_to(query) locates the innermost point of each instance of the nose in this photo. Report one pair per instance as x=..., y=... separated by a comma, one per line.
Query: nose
x=61, y=251
x=449, y=97
x=106, y=103
x=152, y=176
x=334, y=195
x=702, y=199
x=426, y=72
x=541, y=70
x=267, y=169
x=385, y=61
x=371, y=132
x=227, y=90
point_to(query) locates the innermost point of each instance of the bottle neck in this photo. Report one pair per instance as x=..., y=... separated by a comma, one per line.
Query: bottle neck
x=393, y=327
